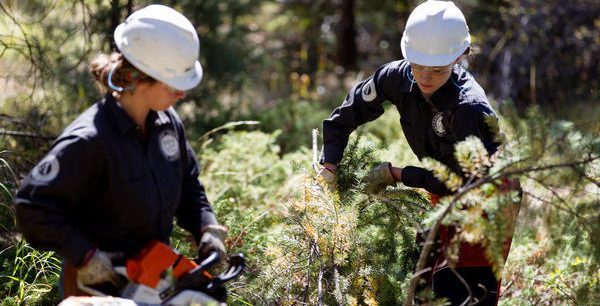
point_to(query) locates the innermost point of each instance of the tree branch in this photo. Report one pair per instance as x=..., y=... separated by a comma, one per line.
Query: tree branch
x=460, y=193
x=26, y=134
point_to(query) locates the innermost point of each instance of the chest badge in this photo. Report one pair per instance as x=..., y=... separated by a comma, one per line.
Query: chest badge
x=169, y=146
x=438, y=124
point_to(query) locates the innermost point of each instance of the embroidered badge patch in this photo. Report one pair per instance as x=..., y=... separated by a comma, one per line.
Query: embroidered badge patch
x=46, y=170
x=169, y=145
x=368, y=91
x=438, y=124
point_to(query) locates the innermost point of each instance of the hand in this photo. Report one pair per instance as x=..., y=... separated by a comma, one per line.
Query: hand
x=212, y=239
x=327, y=176
x=97, y=270
x=380, y=177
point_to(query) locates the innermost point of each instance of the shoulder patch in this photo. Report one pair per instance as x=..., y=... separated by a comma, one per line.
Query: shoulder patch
x=46, y=170
x=169, y=145
x=368, y=91
x=437, y=123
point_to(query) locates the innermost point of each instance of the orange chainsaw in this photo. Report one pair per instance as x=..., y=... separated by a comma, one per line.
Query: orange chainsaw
x=160, y=275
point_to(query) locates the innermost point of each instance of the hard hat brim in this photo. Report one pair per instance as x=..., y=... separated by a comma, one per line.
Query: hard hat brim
x=431, y=60
x=189, y=81
x=185, y=82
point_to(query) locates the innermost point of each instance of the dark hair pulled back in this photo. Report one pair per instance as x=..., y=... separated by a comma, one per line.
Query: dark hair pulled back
x=125, y=74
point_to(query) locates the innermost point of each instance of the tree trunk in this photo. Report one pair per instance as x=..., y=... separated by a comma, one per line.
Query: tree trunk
x=116, y=19
x=346, y=42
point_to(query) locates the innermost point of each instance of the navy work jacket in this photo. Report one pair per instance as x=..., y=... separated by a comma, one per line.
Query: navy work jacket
x=456, y=110
x=104, y=185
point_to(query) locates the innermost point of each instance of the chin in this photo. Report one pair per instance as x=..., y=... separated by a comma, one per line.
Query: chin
x=427, y=91
x=162, y=108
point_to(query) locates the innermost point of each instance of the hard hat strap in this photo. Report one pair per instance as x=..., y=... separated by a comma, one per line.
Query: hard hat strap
x=411, y=78
x=115, y=87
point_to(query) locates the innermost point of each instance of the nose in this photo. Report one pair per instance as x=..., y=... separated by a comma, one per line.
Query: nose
x=427, y=75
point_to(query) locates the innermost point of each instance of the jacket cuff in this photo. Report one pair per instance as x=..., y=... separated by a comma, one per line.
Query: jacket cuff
x=332, y=154
x=422, y=178
x=207, y=218
x=412, y=176
x=75, y=250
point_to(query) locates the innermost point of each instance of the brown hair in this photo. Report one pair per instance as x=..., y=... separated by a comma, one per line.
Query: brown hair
x=125, y=74
x=472, y=50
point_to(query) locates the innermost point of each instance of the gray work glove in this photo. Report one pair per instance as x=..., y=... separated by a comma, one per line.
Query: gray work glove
x=327, y=178
x=378, y=178
x=213, y=238
x=97, y=270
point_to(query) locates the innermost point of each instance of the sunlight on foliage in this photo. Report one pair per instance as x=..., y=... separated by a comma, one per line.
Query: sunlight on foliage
x=452, y=180
x=27, y=274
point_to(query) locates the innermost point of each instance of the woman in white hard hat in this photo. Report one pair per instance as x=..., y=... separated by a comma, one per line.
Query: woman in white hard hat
x=118, y=175
x=440, y=104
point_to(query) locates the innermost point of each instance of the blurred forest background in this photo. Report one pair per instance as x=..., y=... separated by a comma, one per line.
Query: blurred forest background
x=273, y=71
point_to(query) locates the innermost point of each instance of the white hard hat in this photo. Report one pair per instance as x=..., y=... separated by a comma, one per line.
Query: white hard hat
x=163, y=44
x=436, y=34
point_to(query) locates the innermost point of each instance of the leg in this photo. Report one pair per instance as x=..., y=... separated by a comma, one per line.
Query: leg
x=481, y=281
x=68, y=282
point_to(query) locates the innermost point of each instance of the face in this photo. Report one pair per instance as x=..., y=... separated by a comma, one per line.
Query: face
x=158, y=96
x=430, y=79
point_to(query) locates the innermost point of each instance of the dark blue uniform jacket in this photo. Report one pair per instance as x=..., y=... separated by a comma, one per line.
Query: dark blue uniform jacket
x=104, y=185
x=457, y=110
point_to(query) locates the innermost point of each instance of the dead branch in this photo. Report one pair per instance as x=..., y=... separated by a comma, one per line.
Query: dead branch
x=460, y=193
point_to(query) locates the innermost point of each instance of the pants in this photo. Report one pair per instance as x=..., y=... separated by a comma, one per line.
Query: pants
x=481, y=281
x=67, y=284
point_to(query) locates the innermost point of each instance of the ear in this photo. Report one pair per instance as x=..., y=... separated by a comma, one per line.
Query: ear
x=131, y=76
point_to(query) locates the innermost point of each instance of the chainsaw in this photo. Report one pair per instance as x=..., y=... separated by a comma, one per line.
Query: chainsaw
x=159, y=275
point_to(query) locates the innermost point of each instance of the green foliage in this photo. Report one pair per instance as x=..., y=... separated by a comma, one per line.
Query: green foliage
x=28, y=276
x=340, y=248
x=276, y=61
x=443, y=173
x=472, y=157
x=295, y=117
x=563, y=205
x=558, y=168
x=360, y=248
x=537, y=53
x=247, y=180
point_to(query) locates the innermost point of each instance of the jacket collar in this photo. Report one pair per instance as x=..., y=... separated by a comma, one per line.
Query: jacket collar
x=124, y=123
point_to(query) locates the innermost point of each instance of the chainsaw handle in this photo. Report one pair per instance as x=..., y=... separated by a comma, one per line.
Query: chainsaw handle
x=197, y=279
x=237, y=264
x=212, y=259
x=194, y=277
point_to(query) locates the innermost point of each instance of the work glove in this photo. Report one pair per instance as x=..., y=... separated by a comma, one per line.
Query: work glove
x=327, y=178
x=98, y=269
x=212, y=239
x=378, y=178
